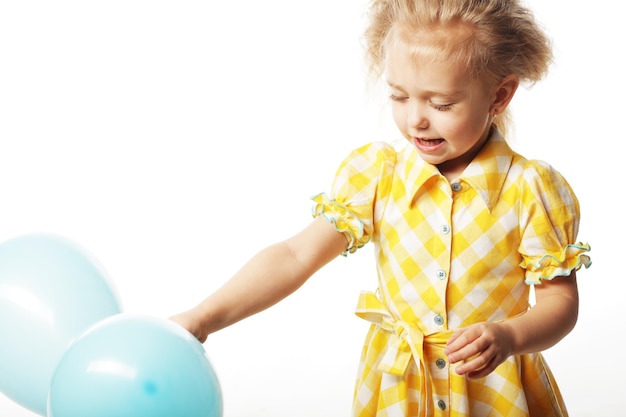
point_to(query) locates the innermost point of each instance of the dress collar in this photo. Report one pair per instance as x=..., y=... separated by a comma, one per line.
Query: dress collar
x=486, y=173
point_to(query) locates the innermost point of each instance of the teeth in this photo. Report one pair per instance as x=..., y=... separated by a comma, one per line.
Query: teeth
x=428, y=142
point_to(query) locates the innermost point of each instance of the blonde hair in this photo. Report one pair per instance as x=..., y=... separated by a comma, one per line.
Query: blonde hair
x=493, y=38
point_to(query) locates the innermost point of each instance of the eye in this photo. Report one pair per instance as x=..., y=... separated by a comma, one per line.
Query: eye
x=441, y=107
x=397, y=98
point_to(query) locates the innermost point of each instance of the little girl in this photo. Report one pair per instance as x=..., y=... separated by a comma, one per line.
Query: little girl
x=462, y=225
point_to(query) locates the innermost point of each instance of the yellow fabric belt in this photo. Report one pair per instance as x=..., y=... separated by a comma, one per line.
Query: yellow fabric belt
x=406, y=341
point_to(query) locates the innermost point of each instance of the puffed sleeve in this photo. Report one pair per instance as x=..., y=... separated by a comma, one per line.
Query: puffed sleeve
x=549, y=220
x=354, y=193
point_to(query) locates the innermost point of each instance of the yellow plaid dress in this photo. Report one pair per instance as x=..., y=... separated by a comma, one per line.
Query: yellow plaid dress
x=450, y=254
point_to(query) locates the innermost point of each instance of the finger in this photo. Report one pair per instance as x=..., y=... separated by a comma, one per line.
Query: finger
x=468, y=351
x=478, y=366
x=459, y=339
x=484, y=371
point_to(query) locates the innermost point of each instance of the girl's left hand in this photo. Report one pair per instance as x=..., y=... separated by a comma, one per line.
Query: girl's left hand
x=192, y=324
x=482, y=347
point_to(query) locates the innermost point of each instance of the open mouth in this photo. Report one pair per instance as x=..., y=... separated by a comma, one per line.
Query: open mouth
x=428, y=145
x=428, y=142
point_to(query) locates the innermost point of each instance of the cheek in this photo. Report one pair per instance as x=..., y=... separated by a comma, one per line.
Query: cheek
x=399, y=116
x=464, y=126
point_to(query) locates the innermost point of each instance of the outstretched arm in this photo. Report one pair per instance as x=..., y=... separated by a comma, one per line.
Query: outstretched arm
x=484, y=346
x=268, y=277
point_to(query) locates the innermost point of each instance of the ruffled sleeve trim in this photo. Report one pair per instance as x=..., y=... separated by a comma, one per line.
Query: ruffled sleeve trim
x=344, y=220
x=549, y=266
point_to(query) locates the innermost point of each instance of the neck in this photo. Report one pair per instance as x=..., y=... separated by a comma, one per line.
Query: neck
x=453, y=168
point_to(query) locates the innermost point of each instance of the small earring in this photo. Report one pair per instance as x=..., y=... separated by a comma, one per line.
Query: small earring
x=495, y=113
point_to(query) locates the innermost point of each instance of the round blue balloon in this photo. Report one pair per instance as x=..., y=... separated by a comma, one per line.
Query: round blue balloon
x=51, y=291
x=132, y=365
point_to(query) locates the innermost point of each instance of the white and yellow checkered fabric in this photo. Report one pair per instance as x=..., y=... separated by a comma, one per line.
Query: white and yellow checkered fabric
x=450, y=254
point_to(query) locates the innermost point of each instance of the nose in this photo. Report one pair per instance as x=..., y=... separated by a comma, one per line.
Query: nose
x=416, y=115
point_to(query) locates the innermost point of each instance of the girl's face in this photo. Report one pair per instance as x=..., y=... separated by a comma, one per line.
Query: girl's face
x=439, y=109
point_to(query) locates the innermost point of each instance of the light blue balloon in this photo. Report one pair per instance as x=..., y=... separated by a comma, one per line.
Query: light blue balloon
x=133, y=365
x=51, y=291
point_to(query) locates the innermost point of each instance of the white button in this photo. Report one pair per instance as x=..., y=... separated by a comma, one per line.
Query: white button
x=445, y=229
x=441, y=274
x=456, y=186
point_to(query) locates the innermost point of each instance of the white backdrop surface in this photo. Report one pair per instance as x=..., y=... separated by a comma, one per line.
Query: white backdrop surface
x=175, y=139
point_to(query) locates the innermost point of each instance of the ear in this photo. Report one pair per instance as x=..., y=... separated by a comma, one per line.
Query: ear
x=504, y=94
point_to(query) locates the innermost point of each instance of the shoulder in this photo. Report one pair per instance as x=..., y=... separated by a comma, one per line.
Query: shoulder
x=361, y=172
x=542, y=174
x=534, y=171
x=371, y=158
x=542, y=182
x=536, y=167
x=374, y=152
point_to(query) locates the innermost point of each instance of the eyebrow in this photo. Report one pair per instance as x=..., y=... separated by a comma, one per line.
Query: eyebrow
x=445, y=94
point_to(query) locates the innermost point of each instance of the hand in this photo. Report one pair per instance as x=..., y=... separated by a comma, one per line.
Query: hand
x=482, y=347
x=190, y=323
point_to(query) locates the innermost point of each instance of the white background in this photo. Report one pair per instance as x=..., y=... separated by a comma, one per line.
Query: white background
x=175, y=139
